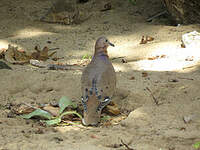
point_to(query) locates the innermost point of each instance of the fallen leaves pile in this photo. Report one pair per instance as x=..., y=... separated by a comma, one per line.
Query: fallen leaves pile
x=64, y=112
x=146, y=39
x=14, y=55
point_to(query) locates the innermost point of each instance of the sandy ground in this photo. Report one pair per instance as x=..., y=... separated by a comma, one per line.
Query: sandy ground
x=148, y=126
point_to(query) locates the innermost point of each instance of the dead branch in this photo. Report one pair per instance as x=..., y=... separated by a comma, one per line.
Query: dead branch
x=155, y=100
x=126, y=145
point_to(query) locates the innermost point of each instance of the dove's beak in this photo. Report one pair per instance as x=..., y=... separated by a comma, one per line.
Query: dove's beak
x=111, y=44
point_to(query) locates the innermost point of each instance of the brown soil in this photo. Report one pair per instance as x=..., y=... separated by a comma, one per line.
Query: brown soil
x=148, y=126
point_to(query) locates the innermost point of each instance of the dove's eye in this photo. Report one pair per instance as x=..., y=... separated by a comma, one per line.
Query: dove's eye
x=106, y=40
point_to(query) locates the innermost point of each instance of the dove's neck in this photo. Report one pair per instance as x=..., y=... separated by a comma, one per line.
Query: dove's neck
x=101, y=52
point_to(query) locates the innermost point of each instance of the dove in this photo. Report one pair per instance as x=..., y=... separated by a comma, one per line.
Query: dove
x=98, y=83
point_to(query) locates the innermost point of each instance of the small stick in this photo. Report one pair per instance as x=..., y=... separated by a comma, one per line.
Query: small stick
x=185, y=78
x=116, y=58
x=189, y=67
x=156, y=15
x=19, y=62
x=155, y=100
x=29, y=105
x=37, y=63
x=52, y=49
x=63, y=67
x=126, y=145
x=114, y=145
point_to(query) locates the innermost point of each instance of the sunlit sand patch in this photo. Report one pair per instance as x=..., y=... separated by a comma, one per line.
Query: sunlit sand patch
x=64, y=129
x=175, y=59
x=3, y=44
x=31, y=32
x=163, y=65
x=123, y=49
x=119, y=67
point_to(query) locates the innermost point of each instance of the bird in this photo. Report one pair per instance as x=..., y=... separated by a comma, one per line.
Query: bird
x=98, y=83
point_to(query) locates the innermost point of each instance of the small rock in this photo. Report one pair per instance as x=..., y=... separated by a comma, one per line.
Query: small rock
x=124, y=61
x=144, y=74
x=173, y=80
x=188, y=119
x=39, y=131
x=58, y=139
x=54, y=103
x=132, y=78
x=83, y=1
x=191, y=39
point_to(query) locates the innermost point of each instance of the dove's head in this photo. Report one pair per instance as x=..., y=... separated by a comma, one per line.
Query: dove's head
x=102, y=44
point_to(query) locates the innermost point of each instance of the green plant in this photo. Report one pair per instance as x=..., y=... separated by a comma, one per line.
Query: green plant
x=105, y=118
x=197, y=145
x=132, y=2
x=86, y=56
x=64, y=102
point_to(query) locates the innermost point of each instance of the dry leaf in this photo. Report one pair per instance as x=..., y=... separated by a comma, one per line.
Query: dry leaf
x=144, y=74
x=57, y=58
x=153, y=58
x=172, y=80
x=2, y=52
x=107, y=123
x=149, y=38
x=107, y=6
x=14, y=56
x=21, y=51
x=163, y=56
x=19, y=56
x=124, y=61
x=143, y=41
x=41, y=54
x=22, y=109
x=157, y=57
x=112, y=109
x=182, y=45
x=93, y=136
x=189, y=58
x=39, y=131
x=53, y=110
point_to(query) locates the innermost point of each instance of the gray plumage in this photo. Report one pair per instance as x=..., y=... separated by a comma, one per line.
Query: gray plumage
x=98, y=83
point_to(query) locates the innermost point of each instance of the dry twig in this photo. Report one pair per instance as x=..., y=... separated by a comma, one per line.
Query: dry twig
x=29, y=105
x=126, y=145
x=156, y=15
x=185, y=78
x=155, y=100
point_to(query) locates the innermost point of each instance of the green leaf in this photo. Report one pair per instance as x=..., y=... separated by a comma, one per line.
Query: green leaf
x=59, y=119
x=104, y=118
x=197, y=145
x=38, y=112
x=64, y=103
x=132, y=2
x=72, y=123
x=70, y=112
x=74, y=105
x=86, y=56
x=53, y=121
